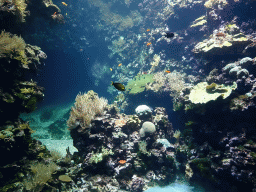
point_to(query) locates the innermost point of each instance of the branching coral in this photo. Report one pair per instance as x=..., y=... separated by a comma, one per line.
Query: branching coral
x=13, y=47
x=87, y=107
x=154, y=63
x=42, y=175
x=118, y=46
x=21, y=9
x=173, y=82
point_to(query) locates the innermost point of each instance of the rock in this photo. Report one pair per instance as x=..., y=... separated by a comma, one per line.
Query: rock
x=245, y=62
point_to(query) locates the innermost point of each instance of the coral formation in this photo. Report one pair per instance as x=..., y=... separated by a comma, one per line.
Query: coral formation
x=108, y=149
x=203, y=93
x=42, y=173
x=223, y=43
x=147, y=127
x=87, y=107
x=138, y=83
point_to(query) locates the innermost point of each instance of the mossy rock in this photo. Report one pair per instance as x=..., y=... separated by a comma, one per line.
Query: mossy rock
x=138, y=83
x=203, y=93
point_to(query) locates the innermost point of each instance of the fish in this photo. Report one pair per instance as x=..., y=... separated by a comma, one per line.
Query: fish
x=111, y=69
x=220, y=34
x=118, y=86
x=148, y=30
x=169, y=34
x=63, y=3
x=120, y=64
x=149, y=43
x=167, y=71
x=122, y=162
x=55, y=13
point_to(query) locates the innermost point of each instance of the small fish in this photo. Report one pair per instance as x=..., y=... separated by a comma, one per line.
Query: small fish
x=220, y=34
x=55, y=13
x=118, y=86
x=169, y=34
x=122, y=162
x=149, y=43
x=144, y=72
x=148, y=30
x=168, y=71
x=111, y=69
x=66, y=14
x=120, y=64
x=63, y=3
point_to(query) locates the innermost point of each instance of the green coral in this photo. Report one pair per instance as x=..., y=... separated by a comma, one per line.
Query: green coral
x=27, y=90
x=13, y=47
x=143, y=148
x=203, y=93
x=203, y=165
x=98, y=157
x=21, y=9
x=138, y=83
x=42, y=174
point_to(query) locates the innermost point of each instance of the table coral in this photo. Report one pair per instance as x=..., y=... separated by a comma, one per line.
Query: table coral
x=203, y=93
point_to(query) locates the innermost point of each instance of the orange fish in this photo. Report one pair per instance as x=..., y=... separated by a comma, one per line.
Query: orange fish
x=63, y=3
x=168, y=71
x=120, y=64
x=148, y=30
x=149, y=43
x=122, y=162
x=144, y=72
x=55, y=13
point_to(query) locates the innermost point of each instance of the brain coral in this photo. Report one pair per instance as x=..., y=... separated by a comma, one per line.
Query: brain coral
x=147, y=127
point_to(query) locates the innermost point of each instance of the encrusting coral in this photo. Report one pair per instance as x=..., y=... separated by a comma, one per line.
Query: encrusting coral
x=203, y=93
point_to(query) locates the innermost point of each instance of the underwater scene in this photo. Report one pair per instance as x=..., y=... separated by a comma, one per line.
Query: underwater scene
x=128, y=95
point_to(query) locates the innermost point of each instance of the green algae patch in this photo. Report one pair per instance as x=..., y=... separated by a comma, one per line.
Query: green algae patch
x=203, y=93
x=138, y=83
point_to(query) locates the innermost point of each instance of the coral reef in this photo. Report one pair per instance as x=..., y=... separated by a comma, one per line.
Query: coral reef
x=17, y=57
x=118, y=151
x=225, y=41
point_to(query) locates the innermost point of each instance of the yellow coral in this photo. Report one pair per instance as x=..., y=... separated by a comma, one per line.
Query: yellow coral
x=27, y=91
x=21, y=9
x=211, y=3
x=11, y=45
x=154, y=63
